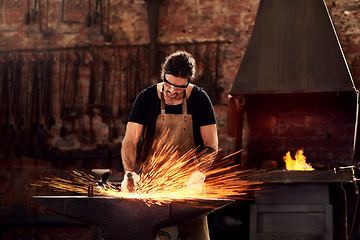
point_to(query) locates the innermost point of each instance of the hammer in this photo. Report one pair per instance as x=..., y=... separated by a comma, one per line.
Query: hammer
x=101, y=176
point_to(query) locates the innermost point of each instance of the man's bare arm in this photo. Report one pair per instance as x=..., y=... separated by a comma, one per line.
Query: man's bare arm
x=210, y=139
x=209, y=136
x=128, y=149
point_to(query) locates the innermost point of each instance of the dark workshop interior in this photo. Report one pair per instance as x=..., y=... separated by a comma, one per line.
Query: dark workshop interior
x=282, y=76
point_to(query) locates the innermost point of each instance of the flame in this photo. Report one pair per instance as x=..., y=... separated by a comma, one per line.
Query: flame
x=299, y=163
x=164, y=177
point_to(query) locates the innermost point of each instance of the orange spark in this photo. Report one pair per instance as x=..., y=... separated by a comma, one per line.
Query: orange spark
x=164, y=177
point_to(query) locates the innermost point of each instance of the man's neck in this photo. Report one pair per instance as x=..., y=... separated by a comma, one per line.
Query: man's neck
x=178, y=99
x=174, y=101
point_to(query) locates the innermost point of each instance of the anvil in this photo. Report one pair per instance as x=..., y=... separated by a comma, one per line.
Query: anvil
x=130, y=218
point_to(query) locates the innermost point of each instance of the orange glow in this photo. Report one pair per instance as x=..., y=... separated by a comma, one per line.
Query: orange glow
x=299, y=163
x=164, y=177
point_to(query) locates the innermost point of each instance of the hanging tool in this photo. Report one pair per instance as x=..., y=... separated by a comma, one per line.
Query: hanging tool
x=27, y=14
x=153, y=8
x=76, y=110
x=143, y=69
x=10, y=131
x=61, y=62
x=207, y=76
x=112, y=129
x=218, y=89
x=18, y=120
x=197, y=55
x=104, y=107
x=88, y=16
x=101, y=18
x=63, y=88
x=40, y=17
x=81, y=137
x=62, y=10
x=217, y=62
x=80, y=105
x=23, y=105
x=120, y=111
x=50, y=119
x=34, y=11
x=108, y=36
x=92, y=87
x=7, y=95
x=95, y=13
x=41, y=134
x=29, y=74
x=22, y=81
x=92, y=97
x=127, y=79
x=3, y=93
x=30, y=125
x=130, y=80
x=47, y=33
x=137, y=73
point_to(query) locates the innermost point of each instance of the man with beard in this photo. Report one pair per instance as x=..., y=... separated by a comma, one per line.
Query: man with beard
x=163, y=107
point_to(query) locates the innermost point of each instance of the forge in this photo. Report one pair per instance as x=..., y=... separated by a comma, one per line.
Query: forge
x=130, y=218
x=296, y=205
x=293, y=91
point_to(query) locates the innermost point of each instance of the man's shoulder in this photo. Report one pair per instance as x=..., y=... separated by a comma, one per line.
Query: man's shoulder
x=198, y=92
x=150, y=89
x=148, y=92
x=144, y=105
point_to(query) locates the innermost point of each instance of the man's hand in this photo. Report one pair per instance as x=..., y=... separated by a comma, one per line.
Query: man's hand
x=130, y=182
x=195, y=183
x=206, y=159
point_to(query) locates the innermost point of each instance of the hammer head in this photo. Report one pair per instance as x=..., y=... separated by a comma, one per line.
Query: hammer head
x=101, y=176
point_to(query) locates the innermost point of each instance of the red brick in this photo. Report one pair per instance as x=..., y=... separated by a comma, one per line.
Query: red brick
x=14, y=15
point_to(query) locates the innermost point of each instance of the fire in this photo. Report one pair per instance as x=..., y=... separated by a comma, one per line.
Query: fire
x=164, y=177
x=299, y=163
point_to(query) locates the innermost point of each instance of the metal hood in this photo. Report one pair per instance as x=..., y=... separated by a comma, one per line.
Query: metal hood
x=293, y=48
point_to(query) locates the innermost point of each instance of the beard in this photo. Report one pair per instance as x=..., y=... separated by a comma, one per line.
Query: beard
x=173, y=96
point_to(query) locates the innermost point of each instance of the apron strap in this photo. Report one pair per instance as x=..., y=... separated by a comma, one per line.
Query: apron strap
x=162, y=102
x=184, y=106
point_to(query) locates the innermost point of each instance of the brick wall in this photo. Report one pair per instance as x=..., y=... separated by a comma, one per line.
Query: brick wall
x=200, y=21
x=321, y=124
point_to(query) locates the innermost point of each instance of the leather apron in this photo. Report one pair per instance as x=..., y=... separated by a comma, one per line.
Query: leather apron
x=180, y=127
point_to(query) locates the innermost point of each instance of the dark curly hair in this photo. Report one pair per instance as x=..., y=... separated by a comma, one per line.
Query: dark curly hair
x=179, y=64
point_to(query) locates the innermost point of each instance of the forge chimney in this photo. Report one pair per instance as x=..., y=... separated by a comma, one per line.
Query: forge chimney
x=293, y=49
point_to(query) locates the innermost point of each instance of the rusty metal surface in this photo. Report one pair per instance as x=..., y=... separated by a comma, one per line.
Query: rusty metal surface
x=127, y=219
x=293, y=48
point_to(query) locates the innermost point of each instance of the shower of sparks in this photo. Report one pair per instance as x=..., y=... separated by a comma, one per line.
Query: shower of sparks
x=163, y=178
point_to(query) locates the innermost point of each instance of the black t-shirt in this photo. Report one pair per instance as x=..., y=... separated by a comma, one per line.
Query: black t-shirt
x=147, y=107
